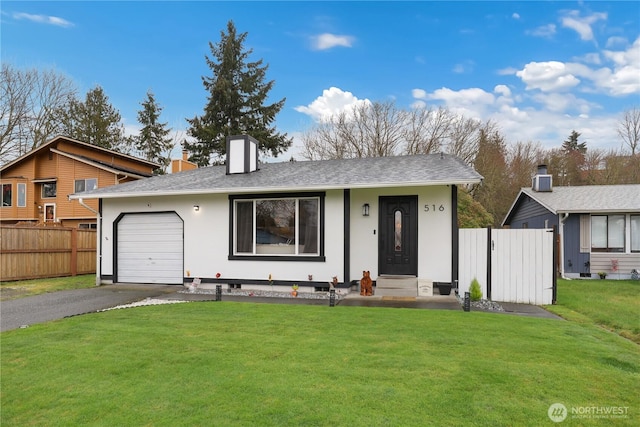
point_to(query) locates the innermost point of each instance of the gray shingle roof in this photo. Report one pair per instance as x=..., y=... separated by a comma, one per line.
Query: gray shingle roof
x=397, y=171
x=589, y=198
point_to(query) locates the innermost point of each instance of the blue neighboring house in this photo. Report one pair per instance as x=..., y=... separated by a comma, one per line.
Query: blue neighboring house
x=598, y=225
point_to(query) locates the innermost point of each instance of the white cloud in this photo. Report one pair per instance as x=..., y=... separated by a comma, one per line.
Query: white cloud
x=515, y=15
x=43, y=19
x=582, y=25
x=616, y=41
x=549, y=125
x=464, y=97
x=621, y=78
x=419, y=93
x=543, y=31
x=458, y=69
x=547, y=76
x=502, y=90
x=332, y=101
x=327, y=41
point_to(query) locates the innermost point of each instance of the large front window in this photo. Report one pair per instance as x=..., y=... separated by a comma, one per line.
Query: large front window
x=282, y=226
x=607, y=233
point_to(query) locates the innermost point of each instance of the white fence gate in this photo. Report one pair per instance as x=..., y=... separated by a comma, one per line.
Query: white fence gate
x=519, y=268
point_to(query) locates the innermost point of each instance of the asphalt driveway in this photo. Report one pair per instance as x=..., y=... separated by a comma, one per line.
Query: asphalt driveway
x=57, y=305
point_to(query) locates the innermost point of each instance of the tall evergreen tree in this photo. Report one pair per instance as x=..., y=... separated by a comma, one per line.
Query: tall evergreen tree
x=152, y=141
x=573, y=160
x=572, y=144
x=95, y=121
x=236, y=102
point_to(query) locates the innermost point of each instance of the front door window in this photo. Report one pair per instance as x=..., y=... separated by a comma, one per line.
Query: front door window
x=398, y=231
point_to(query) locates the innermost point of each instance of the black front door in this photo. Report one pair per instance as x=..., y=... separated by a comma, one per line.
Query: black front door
x=398, y=236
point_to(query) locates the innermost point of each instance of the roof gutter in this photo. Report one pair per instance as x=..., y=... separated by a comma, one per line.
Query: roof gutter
x=252, y=190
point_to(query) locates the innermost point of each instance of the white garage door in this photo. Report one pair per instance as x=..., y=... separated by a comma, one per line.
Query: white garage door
x=150, y=248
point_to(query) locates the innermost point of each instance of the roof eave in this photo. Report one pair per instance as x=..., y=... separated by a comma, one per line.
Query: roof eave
x=241, y=190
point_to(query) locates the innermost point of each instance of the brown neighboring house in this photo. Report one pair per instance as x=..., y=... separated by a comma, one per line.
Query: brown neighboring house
x=36, y=186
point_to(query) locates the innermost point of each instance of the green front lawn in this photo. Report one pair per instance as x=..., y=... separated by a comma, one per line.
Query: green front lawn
x=25, y=288
x=612, y=304
x=225, y=363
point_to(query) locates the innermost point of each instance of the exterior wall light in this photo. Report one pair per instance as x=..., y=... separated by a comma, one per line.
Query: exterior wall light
x=196, y=208
x=365, y=209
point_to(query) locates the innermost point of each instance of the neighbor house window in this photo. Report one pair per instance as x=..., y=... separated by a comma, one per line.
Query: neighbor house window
x=49, y=190
x=607, y=233
x=84, y=226
x=82, y=185
x=277, y=226
x=7, y=190
x=22, y=195
x=635, y=233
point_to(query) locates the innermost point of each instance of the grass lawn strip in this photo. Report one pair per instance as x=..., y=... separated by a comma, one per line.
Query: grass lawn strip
x=225, y=363
x=611, y=304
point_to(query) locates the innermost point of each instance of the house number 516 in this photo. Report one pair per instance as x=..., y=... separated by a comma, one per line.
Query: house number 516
x=433, y=208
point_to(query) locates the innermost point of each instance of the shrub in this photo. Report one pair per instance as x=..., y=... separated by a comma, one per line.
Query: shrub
x=474, y=290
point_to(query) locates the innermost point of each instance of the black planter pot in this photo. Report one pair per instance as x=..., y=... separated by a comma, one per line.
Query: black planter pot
x=444, y=288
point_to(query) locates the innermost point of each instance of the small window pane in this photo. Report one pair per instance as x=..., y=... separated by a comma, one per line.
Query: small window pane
x=275, y=227
x=598, y=231
x=616, y=232
x=91, y=184
x=6, y=194
x=308, y=226
x=49, y=189
x=79, y=187
x=244, y=227
x=22, y=195
x=635, y=233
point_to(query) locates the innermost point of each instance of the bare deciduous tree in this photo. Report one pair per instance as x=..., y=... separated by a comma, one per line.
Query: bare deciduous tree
x=463, y=138
x=379, y=129
x=426, y=129
x=31, y=102
x=368, y=130
x=523, y=159
x=629, y=128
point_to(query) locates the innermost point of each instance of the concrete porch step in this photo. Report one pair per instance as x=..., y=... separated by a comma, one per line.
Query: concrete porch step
x=397, y=286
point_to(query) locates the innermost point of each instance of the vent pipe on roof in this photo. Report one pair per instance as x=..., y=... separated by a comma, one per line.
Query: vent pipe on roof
x=542, y=182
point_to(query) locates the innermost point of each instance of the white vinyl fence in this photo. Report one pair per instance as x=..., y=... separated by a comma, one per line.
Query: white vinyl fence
x=519, y=268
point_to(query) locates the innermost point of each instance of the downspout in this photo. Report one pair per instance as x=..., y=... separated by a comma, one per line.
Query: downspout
x=562, y=217
x=347, y=239
x=98, y=238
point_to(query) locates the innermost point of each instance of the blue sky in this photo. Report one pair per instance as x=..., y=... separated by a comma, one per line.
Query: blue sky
x=538, y=69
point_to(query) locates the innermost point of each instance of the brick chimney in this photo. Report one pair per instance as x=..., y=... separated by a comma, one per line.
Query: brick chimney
x=183, y=164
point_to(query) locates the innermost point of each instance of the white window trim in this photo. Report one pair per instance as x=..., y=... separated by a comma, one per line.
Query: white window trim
x=45, y=212
x=24, y=191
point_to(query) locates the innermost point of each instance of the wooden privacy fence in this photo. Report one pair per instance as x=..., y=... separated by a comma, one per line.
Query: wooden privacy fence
x=28, y=252
x=510, y=265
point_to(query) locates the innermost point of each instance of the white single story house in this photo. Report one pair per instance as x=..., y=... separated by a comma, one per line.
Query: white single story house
x=250, y=224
